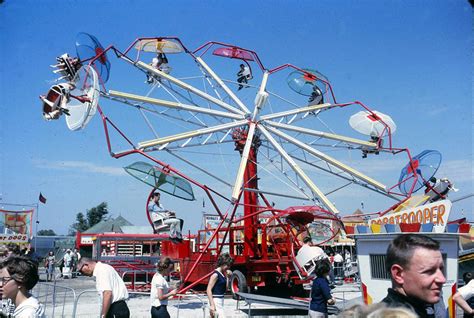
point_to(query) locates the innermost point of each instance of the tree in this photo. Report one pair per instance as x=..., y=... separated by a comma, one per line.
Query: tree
x=94, y=216
x=46, y=233
x=80, y=225
x=97, y=214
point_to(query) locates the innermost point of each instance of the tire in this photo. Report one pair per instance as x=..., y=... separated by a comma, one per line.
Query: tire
x=238, y=283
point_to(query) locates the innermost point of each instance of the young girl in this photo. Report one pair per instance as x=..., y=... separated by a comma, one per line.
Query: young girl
x=218, y=285
x=160, y=290
x=321, y=292
x=18, y=275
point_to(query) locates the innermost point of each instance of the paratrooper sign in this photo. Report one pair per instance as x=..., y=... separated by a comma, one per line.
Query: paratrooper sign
x=436, y=213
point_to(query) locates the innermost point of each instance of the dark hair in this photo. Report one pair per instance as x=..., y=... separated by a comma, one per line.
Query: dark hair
x=22, y=269
x=14, y=248
x=466, y=277
x=163, y=264
x=156, y=193
x=401, y=249
x=307, y=239
x=322, y=267
x=85, y=260
x=225, y=259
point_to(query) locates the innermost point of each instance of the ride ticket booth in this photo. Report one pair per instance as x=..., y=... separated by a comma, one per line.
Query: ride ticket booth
x=375, y=279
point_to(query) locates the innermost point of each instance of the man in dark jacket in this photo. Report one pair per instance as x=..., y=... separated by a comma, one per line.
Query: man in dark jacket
x=416, y=268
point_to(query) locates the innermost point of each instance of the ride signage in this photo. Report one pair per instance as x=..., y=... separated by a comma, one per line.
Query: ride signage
x=436, y=213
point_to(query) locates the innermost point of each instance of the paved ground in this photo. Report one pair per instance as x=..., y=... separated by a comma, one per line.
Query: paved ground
x=65, y=291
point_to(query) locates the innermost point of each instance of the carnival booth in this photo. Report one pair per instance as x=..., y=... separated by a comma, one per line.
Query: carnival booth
x=372, y=242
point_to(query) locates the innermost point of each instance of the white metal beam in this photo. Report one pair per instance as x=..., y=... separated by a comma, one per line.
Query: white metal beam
x=329, y=159
x=316, y=191
x=223, y=85
x=174, y=105
x=188, y=87
x=189, y=134
x=297, y=111
x=322, y=134
x=239, y=180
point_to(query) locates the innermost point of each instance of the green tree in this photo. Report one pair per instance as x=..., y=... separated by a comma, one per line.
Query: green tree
x=97, y=214
x=46, y=233
x=80, y=225
x=92, y=217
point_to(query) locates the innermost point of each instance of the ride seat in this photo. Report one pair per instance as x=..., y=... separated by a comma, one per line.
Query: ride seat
x=307, y=259
x=165, y=68
x=159, y=223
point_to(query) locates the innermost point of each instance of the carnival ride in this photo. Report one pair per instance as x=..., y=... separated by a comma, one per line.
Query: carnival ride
x=290, y=149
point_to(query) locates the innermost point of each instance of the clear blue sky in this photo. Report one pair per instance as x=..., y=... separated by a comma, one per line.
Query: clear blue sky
x=409, y=59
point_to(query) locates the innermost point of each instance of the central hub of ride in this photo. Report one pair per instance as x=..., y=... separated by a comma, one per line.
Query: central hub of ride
x=250, y=182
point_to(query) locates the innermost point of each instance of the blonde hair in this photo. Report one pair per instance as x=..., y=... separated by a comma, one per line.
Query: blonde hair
x=398, y=312
x=377, y=311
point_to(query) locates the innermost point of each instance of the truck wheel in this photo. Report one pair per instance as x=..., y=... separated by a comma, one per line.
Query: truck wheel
x=238, y=283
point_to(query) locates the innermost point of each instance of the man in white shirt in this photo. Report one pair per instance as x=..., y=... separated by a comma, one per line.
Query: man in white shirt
x=159, y=215
x=67, y=258
x=110, y=287
x=338, y=265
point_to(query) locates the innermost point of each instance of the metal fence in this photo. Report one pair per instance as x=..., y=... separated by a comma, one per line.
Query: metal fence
x=65, y=302
x=57, y=300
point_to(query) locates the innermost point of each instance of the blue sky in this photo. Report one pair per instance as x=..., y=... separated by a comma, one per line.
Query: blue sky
x=408, y=59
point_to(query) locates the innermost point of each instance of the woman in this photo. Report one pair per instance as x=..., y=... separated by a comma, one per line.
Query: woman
x=49, y=265
x=18, y=275
x=160, y=290
x=321, y=292
x=218, y=285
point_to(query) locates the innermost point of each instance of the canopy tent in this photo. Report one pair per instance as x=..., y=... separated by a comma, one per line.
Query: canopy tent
x=159, y=46
x=160, y=179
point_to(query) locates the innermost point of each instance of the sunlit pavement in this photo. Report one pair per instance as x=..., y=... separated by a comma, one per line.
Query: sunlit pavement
x=192, y=306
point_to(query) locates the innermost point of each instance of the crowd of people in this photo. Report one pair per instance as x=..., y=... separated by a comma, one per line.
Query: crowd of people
x=414, y=262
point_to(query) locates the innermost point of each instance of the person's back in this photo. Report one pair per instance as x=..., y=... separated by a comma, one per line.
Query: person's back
x=110, y=287
x=107, y=278
x=320, y=291
x=30, y=308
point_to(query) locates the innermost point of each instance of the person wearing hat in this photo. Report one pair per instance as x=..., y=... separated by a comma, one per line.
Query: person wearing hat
x=160, y=216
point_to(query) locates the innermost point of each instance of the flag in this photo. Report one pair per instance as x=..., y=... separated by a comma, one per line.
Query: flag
x=42, y=199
